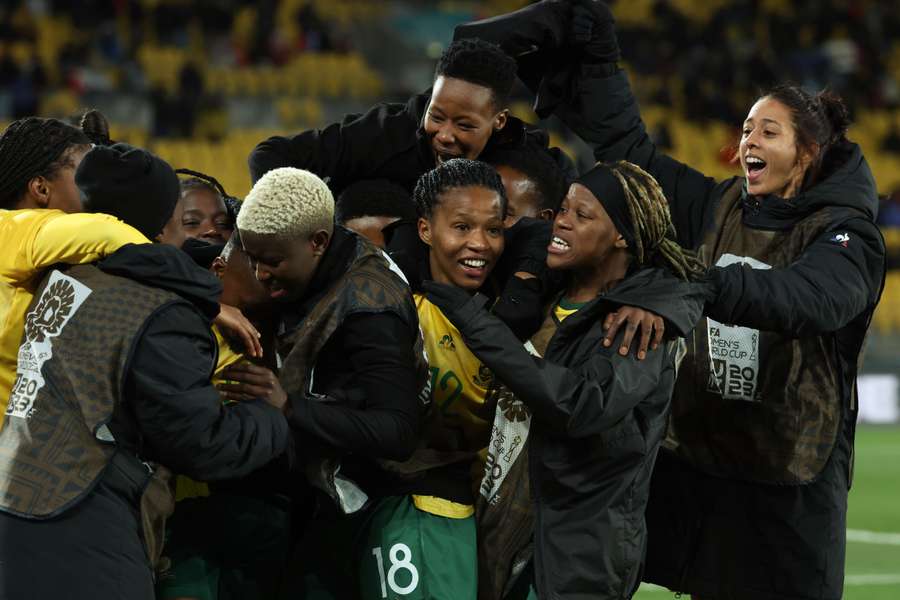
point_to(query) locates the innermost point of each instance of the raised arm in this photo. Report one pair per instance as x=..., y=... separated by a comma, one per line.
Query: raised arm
x=569, y=59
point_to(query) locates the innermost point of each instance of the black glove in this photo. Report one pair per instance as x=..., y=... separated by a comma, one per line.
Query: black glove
x=458, y=305
x=539, y=26
x=525, y=247
x=594, y=26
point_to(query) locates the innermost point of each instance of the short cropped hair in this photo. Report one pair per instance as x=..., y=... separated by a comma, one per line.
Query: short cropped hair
x=287, y=202
x=481, y=63
x=374, y=198
x=536, y=164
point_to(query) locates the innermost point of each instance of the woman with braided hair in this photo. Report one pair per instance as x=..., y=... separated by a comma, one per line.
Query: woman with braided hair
x=38, y=224
x=596, y=417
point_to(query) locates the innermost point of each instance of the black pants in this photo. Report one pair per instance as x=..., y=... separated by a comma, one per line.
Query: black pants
x=93, y=550
x=733, y=540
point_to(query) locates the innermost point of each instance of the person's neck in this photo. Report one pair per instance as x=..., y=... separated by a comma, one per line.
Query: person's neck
x=587, y=284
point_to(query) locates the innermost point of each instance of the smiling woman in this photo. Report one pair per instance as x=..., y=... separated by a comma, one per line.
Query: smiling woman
x=461, y=205
x=471, y=87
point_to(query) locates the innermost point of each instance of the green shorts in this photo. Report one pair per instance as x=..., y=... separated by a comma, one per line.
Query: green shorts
x=393, y=550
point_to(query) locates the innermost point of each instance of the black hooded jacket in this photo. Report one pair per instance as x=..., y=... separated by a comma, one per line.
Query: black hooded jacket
x=168, y=413
x=172, y=414
x=598, y=421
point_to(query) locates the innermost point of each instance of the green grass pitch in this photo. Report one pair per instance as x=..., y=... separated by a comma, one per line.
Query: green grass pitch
x=873, y=562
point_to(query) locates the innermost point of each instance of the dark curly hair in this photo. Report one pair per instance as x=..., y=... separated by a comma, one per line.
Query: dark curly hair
x=481, y=63
x=35, y=147
x=537, y=165
x=374, y=198
x=456, y=173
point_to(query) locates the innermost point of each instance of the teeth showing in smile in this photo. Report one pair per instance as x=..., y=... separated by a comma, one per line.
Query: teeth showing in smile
x=559, y=243
x=475, y=263
x=755, y=163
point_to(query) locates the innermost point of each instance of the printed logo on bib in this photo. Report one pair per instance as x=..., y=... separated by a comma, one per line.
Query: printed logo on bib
x=508, y=435
x=733, y=351
x=60, y=300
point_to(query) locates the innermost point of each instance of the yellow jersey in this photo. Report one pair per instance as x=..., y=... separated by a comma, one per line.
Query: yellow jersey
x=564, y=308
x=32, y=241
x=459, y=384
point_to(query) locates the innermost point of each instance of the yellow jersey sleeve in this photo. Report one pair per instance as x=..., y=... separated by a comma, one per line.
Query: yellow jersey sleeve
x=78, y=239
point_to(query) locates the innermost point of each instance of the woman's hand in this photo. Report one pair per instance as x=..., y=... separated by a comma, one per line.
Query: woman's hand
x=635, y=318
x=246, y=381
x=232, y=320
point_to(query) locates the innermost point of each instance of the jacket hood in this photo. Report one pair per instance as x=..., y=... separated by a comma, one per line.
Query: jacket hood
x=851, y=185
x=677, y=301
x=168, y=268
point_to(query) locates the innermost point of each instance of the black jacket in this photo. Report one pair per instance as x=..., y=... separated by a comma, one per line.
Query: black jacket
x=598, y=419
x=386, y=142
x=172, y=414
x=168, y=413
x=367, y=371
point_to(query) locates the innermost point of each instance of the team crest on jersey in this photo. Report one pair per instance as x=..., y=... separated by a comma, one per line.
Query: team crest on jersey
x=447, y=343
x=842, y=239
x=483, y=377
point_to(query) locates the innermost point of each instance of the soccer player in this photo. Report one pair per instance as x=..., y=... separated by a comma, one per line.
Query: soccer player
x=351, y=375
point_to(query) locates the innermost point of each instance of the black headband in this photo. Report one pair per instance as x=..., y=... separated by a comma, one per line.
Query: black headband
x=607, y=189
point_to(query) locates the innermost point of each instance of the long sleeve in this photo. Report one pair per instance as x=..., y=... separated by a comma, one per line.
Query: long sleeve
x=370, y=407
x=605, y=114
x=824, y=289
x=358, y=147
x=179, y=414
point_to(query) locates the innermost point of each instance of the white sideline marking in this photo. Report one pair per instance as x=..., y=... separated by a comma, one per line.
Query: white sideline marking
x=873, y=537
x=849, y=580
x=873, y=579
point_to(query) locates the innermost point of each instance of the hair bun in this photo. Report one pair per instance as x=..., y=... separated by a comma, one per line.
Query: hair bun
x=836, y=113
x=96, y=127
